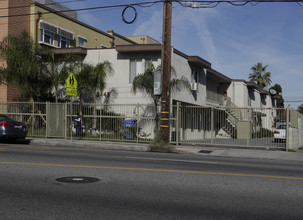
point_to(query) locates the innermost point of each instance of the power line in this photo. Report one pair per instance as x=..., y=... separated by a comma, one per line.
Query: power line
x=184, y=3
x=213, y=4
x=142, y=4
x=53, y=3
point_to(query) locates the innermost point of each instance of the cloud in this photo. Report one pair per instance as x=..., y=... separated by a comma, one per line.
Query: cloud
x=151, y=26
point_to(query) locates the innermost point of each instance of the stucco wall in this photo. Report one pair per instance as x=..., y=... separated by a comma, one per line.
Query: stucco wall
x=94, y=38
x=182, y=68
x=120, y=77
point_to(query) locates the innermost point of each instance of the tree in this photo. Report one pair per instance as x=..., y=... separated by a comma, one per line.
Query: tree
x=145, y=84
x=260, y=75
x=25, y=67
x=300, y=108
x=58, y=71
x=91, y=82
x=97, y=82
x=280, y=100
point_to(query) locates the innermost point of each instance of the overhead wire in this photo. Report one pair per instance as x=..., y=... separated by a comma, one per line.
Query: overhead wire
x=183, y=3
x=141, y=4
x=53, y=3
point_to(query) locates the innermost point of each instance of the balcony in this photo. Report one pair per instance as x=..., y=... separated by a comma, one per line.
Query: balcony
x=214, y=97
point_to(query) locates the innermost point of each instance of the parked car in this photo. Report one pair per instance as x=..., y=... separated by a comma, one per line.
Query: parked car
x=280, y=133
x=11, y=129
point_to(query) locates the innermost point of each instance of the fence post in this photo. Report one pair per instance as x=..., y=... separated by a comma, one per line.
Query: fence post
x=100, y=122
x=65, y=120
x=33, y=119
x=178, y=123
x=47, y=118
x=212, y=125
x=137, y=118
x=287, y=128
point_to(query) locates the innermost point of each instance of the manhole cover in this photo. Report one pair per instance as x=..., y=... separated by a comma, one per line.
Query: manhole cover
x=205, y=151
x=77, y=179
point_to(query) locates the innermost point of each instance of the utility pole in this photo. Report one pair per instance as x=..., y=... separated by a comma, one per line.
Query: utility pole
x=166, y=68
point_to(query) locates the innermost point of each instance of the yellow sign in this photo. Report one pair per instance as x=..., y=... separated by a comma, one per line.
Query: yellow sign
x=71, y=85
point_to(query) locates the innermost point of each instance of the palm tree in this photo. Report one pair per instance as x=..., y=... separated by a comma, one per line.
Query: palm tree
x=97, y=83
x=145, y=84
x=25, y=66
x=58, y=73
x=260, y=75
x=279, y=96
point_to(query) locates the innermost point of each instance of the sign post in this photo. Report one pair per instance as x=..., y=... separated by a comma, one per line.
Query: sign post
x=71, y=90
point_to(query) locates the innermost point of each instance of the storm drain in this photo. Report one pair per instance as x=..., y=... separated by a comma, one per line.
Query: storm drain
x=205, y=151
x=77, y=179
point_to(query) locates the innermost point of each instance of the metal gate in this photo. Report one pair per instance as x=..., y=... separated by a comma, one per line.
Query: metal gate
x=233, y=127
x=55, y=114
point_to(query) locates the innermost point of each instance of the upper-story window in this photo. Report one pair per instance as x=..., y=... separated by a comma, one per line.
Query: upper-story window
x=138, y=66
x=135, y=69
x=149, y=62
x=81, y=41
x=64, y=38
x=194, y=76
x=63, y=42
x=55, y=36
x=47, y=33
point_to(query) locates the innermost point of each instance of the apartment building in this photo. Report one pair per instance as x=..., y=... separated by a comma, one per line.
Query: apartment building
x=50, y=26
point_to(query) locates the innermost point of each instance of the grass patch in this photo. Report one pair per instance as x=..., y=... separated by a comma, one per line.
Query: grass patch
x=158, y=145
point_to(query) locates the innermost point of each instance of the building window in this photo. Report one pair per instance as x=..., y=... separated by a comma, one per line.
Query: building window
x=135, y=69
x=138, y=67
x=194, y=76
x=81, y=41
x=148, y=62
x=50, y=33
x=63, y=42
x=47, y=37
x=64, y=38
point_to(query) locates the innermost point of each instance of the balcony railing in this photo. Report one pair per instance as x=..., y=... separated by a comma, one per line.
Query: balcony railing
x=214, y=97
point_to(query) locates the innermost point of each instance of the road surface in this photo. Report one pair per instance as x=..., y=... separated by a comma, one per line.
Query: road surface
x=144, y=185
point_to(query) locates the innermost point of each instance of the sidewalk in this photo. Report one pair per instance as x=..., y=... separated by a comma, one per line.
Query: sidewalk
x=197, y=150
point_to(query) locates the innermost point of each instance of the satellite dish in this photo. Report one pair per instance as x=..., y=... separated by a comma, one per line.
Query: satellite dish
x=272, y=91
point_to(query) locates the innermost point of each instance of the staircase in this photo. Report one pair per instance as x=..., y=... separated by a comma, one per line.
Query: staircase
x=233, y=116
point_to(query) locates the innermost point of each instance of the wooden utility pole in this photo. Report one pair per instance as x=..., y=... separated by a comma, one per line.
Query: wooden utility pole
x=166, y=65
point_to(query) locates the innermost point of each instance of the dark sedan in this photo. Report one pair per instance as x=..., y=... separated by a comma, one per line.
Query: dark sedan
x=11, y=129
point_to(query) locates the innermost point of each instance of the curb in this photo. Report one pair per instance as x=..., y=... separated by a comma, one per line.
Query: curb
x=91, y=144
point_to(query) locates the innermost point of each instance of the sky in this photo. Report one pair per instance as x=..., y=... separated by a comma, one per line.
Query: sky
x=231, y=38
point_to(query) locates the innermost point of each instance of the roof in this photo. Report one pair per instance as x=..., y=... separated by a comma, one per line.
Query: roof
x=199, y=61
x=113, y=33
x=73, y=50
x=218, y=77
x=139, y=48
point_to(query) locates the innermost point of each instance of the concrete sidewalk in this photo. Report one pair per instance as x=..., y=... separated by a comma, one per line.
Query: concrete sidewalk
x=197, y=150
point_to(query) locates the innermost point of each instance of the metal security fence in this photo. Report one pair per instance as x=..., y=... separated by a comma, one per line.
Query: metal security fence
x=194, y=125
x=229, y=126
x=33, y=114
x=132, y=122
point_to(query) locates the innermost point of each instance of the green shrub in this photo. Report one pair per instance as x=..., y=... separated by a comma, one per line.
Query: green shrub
x=263, y=133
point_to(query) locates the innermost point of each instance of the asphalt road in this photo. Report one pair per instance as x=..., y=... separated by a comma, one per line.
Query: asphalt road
x=144, y=185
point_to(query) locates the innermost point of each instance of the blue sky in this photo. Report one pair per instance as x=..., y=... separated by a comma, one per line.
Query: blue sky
x=232, y=38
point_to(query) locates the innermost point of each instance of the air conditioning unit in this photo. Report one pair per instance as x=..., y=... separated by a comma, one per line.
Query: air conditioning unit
x=194, y=86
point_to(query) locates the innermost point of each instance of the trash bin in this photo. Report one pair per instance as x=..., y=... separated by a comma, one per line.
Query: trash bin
x=130, y=130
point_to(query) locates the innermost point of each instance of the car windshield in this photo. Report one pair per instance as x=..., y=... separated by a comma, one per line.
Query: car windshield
x=281, y=127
